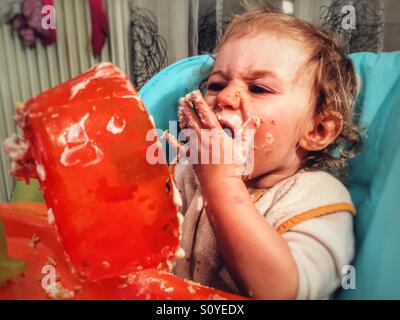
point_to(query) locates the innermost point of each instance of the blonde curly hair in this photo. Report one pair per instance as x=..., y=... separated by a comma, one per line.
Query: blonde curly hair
x=335, y=84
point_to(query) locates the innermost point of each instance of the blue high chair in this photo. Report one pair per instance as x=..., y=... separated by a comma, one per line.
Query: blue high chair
x=374, y=181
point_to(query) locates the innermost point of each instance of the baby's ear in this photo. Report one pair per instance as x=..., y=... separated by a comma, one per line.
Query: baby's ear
x=322, y=131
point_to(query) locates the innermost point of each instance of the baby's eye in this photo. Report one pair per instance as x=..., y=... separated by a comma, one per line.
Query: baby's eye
x=258, y=89
x=215, y=86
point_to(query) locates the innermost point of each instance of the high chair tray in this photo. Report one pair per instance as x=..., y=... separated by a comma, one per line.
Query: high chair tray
x=32, y=239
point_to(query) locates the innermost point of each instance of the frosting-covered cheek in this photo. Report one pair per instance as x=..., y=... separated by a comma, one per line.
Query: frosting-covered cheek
x=265, y=138
x=268, y=142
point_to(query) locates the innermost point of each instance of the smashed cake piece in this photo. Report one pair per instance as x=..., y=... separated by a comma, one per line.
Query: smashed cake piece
x=152, y=284
x=85, y=141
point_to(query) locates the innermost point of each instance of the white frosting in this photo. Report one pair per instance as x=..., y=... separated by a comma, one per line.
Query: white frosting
x=41, y=172
x=180, y=253
x=16, y=147
x=152, y=120
x=102, y=72
x=78, y=87
x=77, y=135
x=114, y=128
x=50, y=216
x=61, y=140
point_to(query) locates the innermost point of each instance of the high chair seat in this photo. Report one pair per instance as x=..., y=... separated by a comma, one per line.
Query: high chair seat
x=373, y=181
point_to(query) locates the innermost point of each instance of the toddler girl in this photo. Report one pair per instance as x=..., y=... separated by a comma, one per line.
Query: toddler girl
x=282, y=227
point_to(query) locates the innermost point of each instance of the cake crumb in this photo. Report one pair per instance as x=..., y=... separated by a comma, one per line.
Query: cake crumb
x=33, y=242
x=77, y=288
x=216, y=296
x=58, y=292
x=51, y=261
x=50, y=216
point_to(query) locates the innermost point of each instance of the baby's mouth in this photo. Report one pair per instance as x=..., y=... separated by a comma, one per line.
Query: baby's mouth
x=230, y=123
x=228, y=130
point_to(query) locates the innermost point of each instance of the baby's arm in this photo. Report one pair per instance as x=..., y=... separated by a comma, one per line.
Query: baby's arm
x=258, y=258
x=321, y=247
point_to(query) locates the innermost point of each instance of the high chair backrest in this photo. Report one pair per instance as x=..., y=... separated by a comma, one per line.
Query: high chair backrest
x=374, y=180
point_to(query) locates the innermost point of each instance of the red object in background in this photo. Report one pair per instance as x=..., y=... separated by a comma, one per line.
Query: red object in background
x=114, y=211
x=99, y=25
x=23, y=220
x=31, y=23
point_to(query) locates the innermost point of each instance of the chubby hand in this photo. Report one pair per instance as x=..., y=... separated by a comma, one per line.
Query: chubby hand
x=211, y=150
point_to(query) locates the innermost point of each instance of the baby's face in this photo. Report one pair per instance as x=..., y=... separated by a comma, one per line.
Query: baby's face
x=264, y=76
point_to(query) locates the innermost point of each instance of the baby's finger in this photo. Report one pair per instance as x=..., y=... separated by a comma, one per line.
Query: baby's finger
x=181, y=116
x=252, y=123
x=180, y=147
x=188, y=117
x=175, y=143
x=207, y=117
x=248, y=131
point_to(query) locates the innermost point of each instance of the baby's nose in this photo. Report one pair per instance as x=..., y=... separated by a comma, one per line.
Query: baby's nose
x=229, y=97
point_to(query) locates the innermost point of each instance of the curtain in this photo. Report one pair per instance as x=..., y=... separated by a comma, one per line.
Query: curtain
x=368, y=33
x=173, y=18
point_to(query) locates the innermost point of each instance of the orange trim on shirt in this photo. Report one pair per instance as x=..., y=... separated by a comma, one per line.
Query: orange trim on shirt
x=314, y=213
